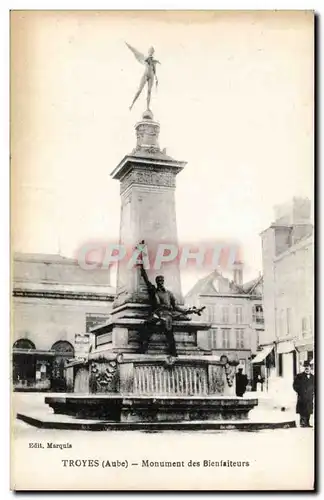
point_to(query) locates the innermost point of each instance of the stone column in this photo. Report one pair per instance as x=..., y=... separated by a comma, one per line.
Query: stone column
x=147, y=182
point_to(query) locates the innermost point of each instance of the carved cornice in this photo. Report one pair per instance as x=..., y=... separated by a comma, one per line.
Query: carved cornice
x=159, y=161
x=48, y=294
x=148, y=177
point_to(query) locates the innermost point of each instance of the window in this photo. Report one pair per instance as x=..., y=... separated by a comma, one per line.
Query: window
x=208, y=314
x=281, y=323
x=225, y=338
x=239, y=338
x=238, y=315
x=24, y=344
x=216, y=284
x=63, y=347
x=204, y=316
x=304, y=327
x=225, y=315
x=212, y=314
x=310, y=356
x=213, y=338
x=294, y=363
x=280, y=366
x=288, y=321
x=257, y=312
x=93, y=320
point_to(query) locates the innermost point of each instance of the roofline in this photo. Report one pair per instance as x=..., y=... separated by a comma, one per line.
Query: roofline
x=44, y=258
x=275, y=225
x=256, y=284
x=298, y=245
x=240, y=288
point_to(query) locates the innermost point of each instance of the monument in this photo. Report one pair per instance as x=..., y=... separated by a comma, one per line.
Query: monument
x=151, y=361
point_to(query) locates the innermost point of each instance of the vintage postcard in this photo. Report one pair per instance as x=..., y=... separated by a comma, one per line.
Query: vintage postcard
x=162, y=317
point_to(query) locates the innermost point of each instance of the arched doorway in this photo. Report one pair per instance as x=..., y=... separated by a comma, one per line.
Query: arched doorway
x=64, y=348
x=64, y=351
x=24, y=344
x=24, y=364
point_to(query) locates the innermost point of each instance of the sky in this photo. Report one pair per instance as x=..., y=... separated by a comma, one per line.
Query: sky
x=235, y=100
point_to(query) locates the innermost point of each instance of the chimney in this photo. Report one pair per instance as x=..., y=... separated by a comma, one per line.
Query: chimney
x=238, y=273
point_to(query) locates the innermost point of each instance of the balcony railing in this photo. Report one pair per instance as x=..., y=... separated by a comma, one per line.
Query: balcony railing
x=258, y=319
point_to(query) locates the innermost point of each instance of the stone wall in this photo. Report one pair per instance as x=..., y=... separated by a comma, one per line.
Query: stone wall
x=45, y=321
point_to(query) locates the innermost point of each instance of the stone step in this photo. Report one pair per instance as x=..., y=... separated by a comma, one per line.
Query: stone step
x=52, y=421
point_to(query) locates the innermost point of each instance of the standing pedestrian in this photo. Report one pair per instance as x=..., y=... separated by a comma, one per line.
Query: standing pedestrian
x=304, y=386
x=241, y=383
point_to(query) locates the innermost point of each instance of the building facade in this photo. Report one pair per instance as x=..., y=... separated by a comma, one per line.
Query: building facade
x=288, y=270
x=55, y=303
x=235, y=311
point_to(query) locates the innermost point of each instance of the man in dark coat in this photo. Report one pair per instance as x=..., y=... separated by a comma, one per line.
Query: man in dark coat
x=241, y=383
x=304, y=386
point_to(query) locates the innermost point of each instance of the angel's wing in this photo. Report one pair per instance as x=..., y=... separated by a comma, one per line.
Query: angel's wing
x=139, y=56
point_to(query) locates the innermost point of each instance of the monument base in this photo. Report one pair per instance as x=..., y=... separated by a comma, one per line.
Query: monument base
x=152, y=409
x=65, y=422
x=157, y=374
x=133, y=387
x=122, y=385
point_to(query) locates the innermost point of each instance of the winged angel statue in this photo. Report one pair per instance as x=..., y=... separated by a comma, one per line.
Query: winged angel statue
x=149, y=74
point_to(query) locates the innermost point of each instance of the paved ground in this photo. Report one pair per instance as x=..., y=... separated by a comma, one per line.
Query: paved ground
x=277, y=459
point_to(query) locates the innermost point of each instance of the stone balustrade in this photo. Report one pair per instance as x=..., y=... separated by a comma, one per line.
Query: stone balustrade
x=182, y=380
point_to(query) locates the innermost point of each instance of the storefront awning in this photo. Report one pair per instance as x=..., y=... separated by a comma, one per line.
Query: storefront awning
x=261, y=356
x=33, y=352
x=285, y=347
x=301, y=346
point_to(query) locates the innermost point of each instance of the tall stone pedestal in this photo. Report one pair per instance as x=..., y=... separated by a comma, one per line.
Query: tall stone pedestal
x=147, y=179
x=127, y=386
